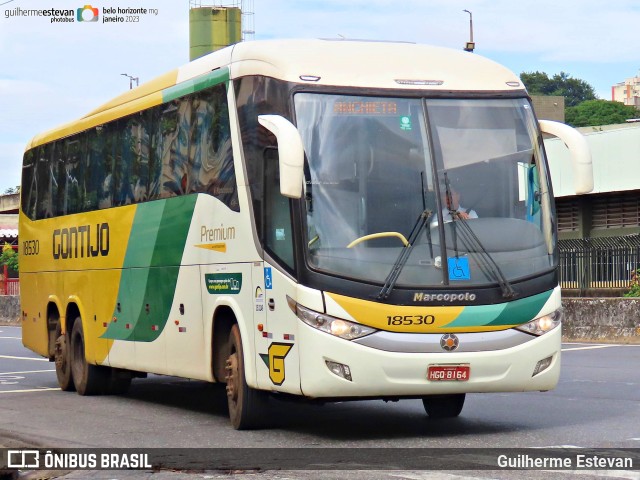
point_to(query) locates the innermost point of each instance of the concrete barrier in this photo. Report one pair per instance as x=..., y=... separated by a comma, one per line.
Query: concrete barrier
x=611, y=320
x=607, y=320
x=9, y=310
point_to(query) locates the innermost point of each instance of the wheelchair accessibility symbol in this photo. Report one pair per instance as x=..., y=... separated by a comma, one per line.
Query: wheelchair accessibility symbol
x=459, y=268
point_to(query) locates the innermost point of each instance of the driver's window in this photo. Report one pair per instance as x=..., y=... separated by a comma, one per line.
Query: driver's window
x=278, y=234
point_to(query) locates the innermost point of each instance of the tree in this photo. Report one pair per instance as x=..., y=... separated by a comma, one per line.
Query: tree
x=574, y=90
x=9, y=257
x=599, y=112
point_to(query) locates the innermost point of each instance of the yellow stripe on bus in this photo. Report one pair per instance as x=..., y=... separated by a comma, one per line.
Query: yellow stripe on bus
x=397, y=318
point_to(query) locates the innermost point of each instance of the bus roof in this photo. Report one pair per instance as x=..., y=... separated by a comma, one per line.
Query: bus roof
x=339, y=63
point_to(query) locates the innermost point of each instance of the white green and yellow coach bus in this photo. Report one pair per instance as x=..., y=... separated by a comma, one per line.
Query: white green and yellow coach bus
x=325, y=219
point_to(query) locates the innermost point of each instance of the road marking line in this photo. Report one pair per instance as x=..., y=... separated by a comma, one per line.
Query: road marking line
x=12, y=338
x=24, y=358
x=626, y=474
x=593, y=347
x=27, y=371
x=43, y=389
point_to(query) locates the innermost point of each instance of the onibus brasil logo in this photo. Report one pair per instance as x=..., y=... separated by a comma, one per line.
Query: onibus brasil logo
x=87, y=14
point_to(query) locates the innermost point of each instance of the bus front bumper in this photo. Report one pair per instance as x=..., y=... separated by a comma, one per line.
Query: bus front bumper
x=382, y=374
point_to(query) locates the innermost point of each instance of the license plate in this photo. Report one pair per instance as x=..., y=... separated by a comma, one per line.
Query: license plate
x=448, y=373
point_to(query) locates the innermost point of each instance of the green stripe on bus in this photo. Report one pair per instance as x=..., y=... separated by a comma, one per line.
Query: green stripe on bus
x=523, y=310
x=152, y=264
x=516, y=312
x=201, y=82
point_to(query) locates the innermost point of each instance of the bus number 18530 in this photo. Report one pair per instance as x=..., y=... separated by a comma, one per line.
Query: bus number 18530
x=411, y=320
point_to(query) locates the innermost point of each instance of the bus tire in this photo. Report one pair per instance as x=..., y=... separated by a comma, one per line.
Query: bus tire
x=247, y=406
x=63, y=360
x=88, y=379
x=444, y=406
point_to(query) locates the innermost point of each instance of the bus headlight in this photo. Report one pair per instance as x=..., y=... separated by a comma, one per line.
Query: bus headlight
x=542, y=325
x=326, y=323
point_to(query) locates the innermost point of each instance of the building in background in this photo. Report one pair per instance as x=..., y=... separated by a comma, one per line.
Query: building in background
x=9, y=218
x=627, y=92
x=599, y=233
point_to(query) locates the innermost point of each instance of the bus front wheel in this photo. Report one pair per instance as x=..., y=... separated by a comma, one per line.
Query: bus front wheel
x=246, y=405
x=63, y=362
x=444, y=406
x=88, y=379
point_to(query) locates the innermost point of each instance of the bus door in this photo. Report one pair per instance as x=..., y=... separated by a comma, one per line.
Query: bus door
x=278, y=349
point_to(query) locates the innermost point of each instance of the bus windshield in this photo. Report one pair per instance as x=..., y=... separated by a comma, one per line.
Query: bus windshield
x=474, y=167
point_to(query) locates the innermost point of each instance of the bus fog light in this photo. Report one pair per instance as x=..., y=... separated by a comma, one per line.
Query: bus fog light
x=542, y=365
x=542, y=325
x=342, y=371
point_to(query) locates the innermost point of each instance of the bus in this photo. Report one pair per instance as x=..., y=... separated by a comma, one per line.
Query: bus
x=278, y=216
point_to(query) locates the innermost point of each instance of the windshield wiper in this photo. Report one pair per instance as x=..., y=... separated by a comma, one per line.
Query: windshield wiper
x=485, y=261
x=401, y=261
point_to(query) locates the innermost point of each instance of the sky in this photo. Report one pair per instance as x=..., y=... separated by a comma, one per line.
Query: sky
x=52, y=73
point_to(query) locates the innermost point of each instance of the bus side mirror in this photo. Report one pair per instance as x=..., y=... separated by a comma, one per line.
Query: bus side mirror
x=290, y=153
x=579, y=150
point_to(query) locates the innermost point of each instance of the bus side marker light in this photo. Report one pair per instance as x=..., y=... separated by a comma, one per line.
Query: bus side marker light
x=339, y=369
x=288, y=336
x=260, y=327
x=542, y=365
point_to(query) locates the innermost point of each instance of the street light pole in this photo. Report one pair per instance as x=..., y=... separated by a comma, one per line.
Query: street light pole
x=131, y=79
x=470, y=46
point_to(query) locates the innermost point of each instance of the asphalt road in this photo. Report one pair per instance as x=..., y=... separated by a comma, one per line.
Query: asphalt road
x=596, y=405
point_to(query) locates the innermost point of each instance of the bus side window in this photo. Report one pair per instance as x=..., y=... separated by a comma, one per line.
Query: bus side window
x=277, y=212
x=29, y=188
x=170, y=152
x=94, y=166
x=59, y=173
x=46, y=181
x=125, y=162
x=210, y=152
x=75, y=172
x=152, y=119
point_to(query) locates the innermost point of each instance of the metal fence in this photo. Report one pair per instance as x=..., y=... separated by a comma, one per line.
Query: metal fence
x=9, y=283
x=594, y=263
x=12, y=286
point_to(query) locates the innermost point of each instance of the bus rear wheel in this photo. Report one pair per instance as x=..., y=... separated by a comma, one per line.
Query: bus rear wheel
x=63, y=361
x=246, y=405
x=444, y=406
x=88, y=379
